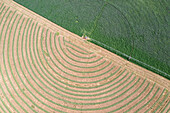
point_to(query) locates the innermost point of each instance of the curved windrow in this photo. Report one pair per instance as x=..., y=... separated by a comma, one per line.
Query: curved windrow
x=44, y=71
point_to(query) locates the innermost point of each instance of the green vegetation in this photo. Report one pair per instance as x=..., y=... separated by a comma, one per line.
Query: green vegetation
x=32, y=106
x=138, y=28
x=32, y=74
x=57, y=33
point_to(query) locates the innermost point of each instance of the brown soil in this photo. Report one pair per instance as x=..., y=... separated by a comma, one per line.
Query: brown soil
x=33, y=80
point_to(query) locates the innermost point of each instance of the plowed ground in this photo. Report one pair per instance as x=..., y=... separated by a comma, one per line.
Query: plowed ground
x=45, y=68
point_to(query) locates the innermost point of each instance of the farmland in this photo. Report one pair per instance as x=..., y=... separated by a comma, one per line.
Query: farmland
x=138, y=28
x=45, y=68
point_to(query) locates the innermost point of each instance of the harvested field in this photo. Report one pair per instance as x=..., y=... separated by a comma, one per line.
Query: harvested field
x=45, y=68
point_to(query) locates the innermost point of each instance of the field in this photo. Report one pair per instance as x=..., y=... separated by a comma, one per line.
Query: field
x=138, y=28
x=46, y=69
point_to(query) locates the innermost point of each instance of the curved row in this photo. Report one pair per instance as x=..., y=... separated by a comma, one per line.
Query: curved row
x=43, y=72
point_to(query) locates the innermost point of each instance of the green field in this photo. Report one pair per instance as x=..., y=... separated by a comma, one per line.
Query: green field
x=138, y=28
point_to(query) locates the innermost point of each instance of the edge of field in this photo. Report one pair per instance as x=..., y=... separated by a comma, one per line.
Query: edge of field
x=139, y=71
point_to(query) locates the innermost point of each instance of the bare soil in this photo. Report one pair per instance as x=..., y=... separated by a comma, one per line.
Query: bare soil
x=35, y=77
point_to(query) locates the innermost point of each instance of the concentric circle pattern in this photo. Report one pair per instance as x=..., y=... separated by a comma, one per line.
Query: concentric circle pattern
x=42, y=70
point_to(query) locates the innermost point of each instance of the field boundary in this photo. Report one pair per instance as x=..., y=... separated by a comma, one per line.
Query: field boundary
x=131, y=59
x=139, y=71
